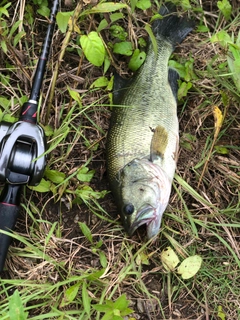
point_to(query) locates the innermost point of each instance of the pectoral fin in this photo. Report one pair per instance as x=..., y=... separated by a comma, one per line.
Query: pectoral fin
x=159, y=143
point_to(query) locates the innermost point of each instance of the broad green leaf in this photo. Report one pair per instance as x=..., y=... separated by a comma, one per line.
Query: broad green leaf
x=225, y=7
x=86, y=231
x=169, y=259
x=3, y=10
x=124, y=48
x=43, y=186
x=62, y=19
x=44, y=11
x=7, y=117
x=100, y=82
x=85, y=175
x=93, y=48
x=136, y=60
x=143, y=4
x=55, y=176
x=16, y=308
x=121, y=303
x=190, y=266
x=86, y=299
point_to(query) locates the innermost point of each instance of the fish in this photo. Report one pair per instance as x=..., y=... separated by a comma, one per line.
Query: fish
x=143, y=136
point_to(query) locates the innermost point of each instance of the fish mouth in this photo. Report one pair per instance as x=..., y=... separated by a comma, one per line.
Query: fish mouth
x=144, y=216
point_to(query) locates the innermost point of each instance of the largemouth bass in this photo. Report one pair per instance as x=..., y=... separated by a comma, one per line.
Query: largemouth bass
x=143, y=138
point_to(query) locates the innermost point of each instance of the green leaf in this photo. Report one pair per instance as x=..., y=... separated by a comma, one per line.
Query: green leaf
x=225, y=7
x=136, y=60
x=5, y=103
x=183, y=89
x=86, y=231
x=55, y=176
x=69, y=295
x=143, y=4
x=93, y=48
x=118, y=32
x=221, y=150
x=169, y=259
x=3, y=46
x=220, y=313
x=86, y=299
x=152, y=37
x=62, y=19
x=190, y=266
x=121, y=303
x=105, y=7
x=14, y=28
x=75, y=95
x=48, y=130
x=101, y=307
x=3, y=10
x=222, y=37
x=124, y=48
x=103, y=259
x=16, y=308
x=18, y=37
x=44, y=186
x=107, y=63
x=44, y=11
x=100, y=82
x=85, y=175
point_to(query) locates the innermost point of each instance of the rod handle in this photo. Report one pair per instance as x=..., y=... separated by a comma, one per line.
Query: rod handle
x=8, y=217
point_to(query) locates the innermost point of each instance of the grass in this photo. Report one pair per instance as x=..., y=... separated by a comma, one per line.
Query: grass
x=70, y=253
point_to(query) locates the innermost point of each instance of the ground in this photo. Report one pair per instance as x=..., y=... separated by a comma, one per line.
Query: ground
x=61, y=268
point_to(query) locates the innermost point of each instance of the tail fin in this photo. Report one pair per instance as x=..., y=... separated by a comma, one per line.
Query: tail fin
x=172, y=27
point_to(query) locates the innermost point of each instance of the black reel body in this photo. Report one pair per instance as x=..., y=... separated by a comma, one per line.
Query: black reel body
x=22, y=147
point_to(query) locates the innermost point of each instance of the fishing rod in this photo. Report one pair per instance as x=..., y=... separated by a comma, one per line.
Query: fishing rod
x=22, y=148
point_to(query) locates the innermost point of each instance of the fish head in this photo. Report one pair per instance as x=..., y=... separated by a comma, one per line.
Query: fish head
x=144, y=194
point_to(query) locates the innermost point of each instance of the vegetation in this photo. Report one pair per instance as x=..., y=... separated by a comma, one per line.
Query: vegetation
x=70, y=258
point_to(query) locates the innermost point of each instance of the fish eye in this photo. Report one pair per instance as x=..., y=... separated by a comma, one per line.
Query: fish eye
x=128, y=208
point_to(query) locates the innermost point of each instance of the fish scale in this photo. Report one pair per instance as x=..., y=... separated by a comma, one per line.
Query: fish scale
x=151, y=103
x=143, y=140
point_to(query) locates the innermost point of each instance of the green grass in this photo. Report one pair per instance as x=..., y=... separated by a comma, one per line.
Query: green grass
x=70, y=253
